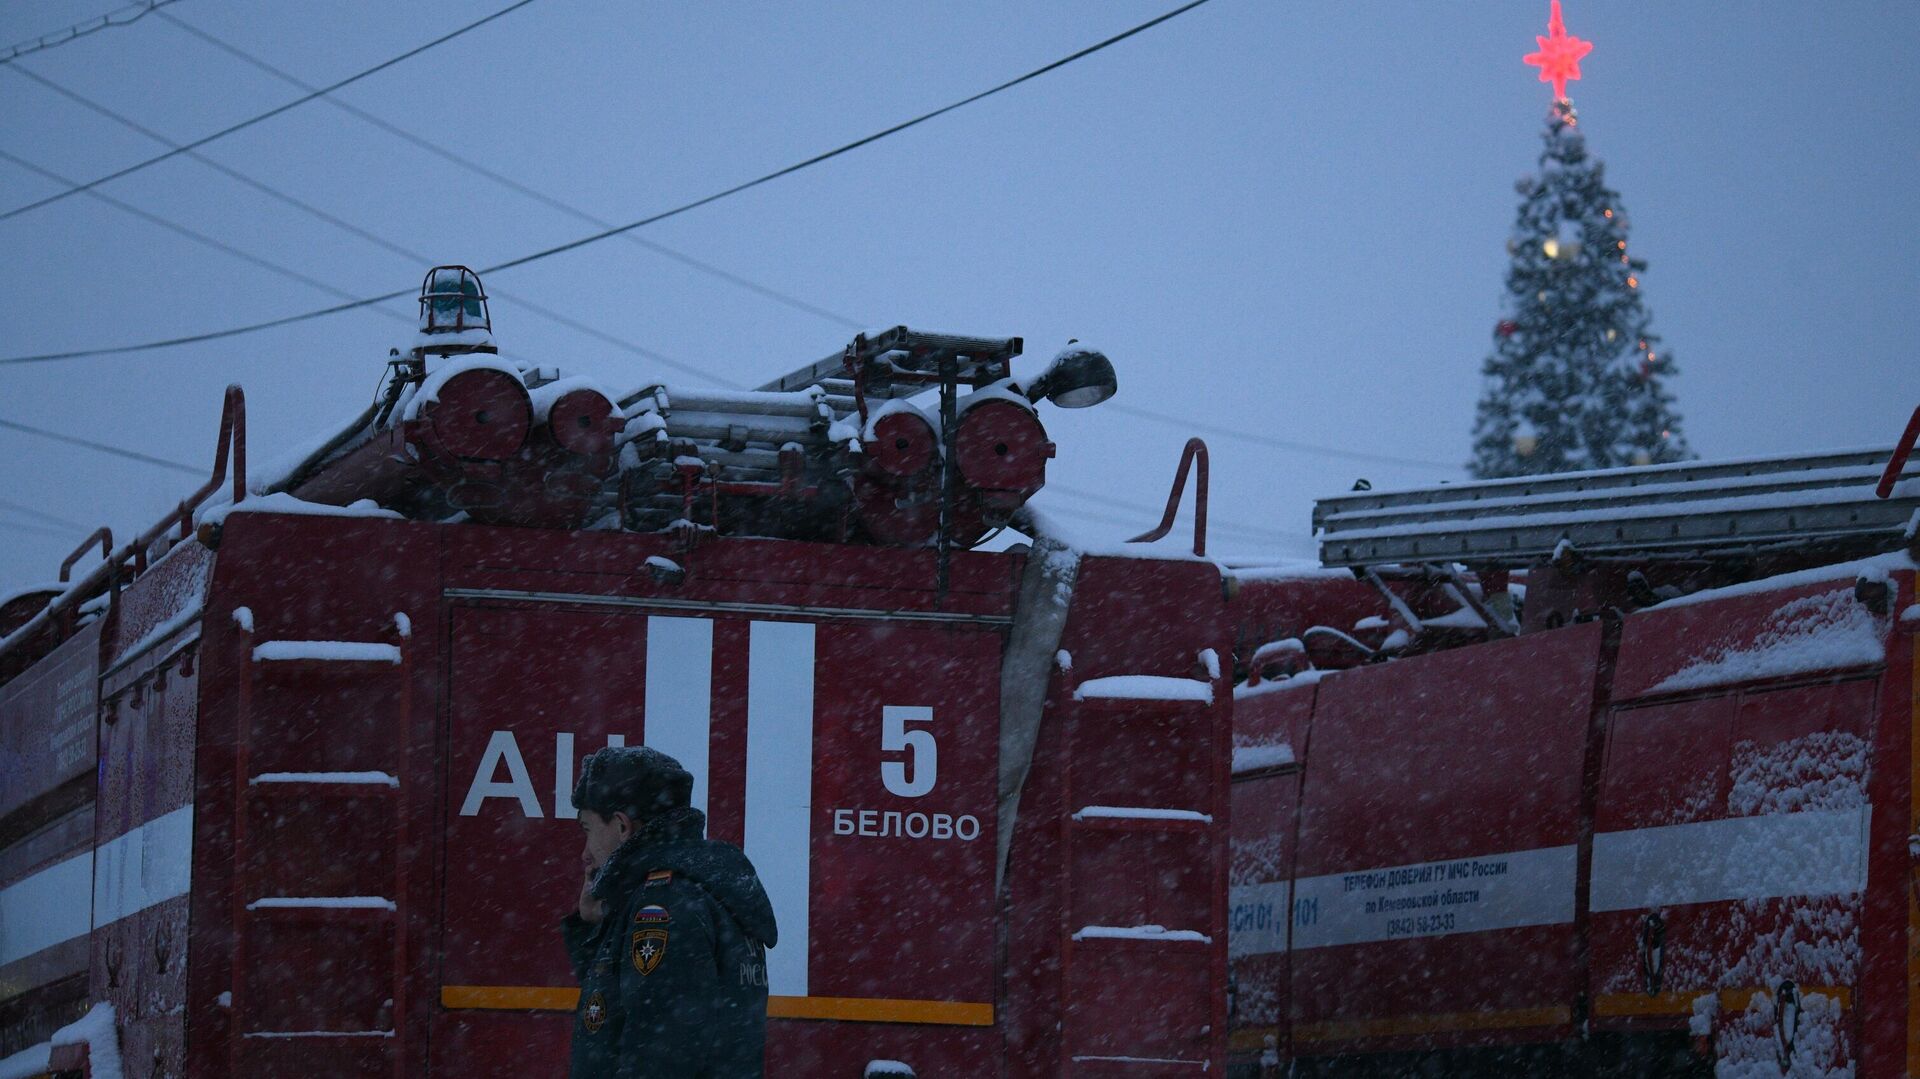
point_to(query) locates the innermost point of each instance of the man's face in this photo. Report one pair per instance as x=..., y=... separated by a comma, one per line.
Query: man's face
x=603, y=836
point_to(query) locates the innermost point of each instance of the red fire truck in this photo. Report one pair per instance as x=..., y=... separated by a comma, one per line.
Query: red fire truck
x=1648, y=813
x=1599, y=773
x=287, y=777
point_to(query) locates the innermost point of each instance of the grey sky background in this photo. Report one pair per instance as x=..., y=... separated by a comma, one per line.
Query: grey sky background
x=1285, y=220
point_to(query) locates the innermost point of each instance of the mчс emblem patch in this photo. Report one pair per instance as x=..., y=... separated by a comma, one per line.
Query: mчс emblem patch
x=649, y=941
x=596, y=1014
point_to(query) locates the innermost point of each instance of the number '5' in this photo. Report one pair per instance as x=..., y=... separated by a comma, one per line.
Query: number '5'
x=919, y=745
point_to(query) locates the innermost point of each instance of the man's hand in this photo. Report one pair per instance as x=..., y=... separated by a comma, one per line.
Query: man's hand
x=591, y=909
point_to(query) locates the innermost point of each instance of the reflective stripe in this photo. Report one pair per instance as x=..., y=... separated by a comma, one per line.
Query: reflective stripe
x=1431, y=899
x=148, y=865
x=46, y=908
x=679, y=718
x=1781, y=854
x=1257, y=923
x=845, y=1009
x=779, y=812
x=127, y=874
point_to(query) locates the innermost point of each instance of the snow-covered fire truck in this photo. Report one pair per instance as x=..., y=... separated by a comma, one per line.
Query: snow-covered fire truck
x=1647, y=812
x=1603, y=773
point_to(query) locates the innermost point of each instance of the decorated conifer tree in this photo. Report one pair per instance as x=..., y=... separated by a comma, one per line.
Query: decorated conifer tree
x=1577, y=378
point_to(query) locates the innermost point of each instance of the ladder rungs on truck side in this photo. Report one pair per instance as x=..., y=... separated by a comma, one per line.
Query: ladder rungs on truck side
x=1686, y=510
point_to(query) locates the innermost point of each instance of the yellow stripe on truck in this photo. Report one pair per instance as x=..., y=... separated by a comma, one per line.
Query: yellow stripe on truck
x=544, y=998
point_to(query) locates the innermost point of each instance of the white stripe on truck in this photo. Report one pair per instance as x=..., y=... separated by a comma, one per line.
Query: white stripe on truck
x=1781, y=854
x=679, y=690
x=147, y=866
x=779, y=824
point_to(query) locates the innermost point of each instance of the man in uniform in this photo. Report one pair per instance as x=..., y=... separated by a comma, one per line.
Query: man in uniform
x=670, y=936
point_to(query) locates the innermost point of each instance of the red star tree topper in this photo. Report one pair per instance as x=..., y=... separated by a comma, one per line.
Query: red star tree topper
x=1559, y=55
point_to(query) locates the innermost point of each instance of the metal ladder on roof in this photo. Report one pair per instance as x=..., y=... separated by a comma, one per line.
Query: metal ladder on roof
x=279, y=1012
x=1687, y=510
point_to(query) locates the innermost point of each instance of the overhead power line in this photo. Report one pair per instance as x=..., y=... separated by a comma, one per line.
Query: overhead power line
x=102, y=447
x=321, y=215
x=269, y=114
x=1213, y=522
x=547, y=200
x=42, y=515
x=36, y=530
x=512, y=184
x=1279, y=443
x=604, y=233
x=198, y=237
x=120, y=16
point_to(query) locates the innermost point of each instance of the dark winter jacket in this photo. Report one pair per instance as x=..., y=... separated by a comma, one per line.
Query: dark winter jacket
x=673, y=982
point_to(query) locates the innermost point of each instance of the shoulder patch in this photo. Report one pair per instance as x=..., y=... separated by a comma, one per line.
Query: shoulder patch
x=659, y=876
x=647, y=945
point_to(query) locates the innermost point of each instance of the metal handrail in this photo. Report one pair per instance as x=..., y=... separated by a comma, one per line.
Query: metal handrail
x=1194, y=455
x=1898, y=462
x=230, y=459
x=103, y=536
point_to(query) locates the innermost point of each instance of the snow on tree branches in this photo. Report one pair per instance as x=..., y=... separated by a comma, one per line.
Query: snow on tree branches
x=1577, y=378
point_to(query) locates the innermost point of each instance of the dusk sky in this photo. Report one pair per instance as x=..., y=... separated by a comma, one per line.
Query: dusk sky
x=1285, y=222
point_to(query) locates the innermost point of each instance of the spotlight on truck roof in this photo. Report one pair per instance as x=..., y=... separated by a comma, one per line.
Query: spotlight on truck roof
x=1077, y=378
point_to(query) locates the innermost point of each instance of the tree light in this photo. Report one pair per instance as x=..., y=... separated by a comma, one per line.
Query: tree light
x=1524, y=445
x=1633, y=282
x=1551, y=248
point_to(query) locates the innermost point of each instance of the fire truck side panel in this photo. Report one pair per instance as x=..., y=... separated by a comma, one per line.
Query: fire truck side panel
x=48, y=749
x=317, y=814
x=1890, y=970
x=842, y=726
x=849, y=833
x=1270, y=739
x=1434, y=894
x=144, y=813
x=1733, y=831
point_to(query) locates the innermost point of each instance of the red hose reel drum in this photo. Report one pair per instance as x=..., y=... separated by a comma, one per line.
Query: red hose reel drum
x=482, y=414
x=903, y=444
x=1001, y=446
x=582, y=421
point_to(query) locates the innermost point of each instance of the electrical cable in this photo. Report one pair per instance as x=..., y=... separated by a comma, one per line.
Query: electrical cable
x=572, y=211
x=1212, y=530
x=34, y=530
x=1279, y=443
x=82, y=29
x=269, y=114
x=604, y=233
x=323, y=216
x=42, y=515
x=102, y=447
x=191, y=234
x=1212, y=521
x=513, y=185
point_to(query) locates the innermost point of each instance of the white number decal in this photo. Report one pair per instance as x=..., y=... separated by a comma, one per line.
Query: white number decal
x=919, y=745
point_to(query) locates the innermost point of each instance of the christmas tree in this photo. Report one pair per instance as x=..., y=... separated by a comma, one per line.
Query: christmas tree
x=1577, y=378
